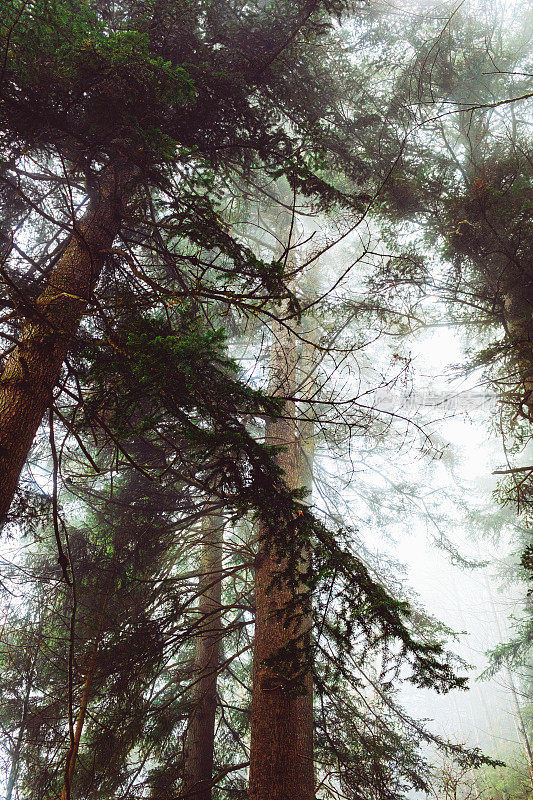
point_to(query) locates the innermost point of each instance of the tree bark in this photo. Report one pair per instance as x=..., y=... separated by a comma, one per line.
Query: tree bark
x=281, y=747
x=15, y=757
x=33, y=368
x=200, y=740
x=72, y=753
x=305, y=455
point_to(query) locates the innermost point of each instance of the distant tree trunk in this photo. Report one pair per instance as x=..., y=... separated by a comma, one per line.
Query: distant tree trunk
x=200, y=739
x=521, y=726
x=72, y=753
x=519, y=719
x=518, y=311
x=503, y=271
x=281, y=747
x=15, y=756
x=32, y=370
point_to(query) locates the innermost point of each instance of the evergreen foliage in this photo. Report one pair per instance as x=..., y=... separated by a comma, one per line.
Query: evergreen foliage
x=196, y=134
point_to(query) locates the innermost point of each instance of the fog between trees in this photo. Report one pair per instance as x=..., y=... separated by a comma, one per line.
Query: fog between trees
x=266, y=399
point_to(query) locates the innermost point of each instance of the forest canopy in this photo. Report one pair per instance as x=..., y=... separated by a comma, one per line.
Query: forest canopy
x=224, y=226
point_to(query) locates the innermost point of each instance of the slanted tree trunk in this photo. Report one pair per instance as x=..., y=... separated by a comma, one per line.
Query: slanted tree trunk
x=281, y=747
x=200, y=739
x=32, y=370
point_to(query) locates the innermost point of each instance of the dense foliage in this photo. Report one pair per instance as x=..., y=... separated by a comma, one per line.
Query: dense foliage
x=174, y=179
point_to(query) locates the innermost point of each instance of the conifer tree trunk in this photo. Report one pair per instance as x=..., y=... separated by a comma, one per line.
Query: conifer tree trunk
x=518, y=311
x=517, y=298
x=15, y=756
x=200, y=740
x=72, y=753
x=519, y=719
x=281, y=747
x=32, y=370
x=305, y=455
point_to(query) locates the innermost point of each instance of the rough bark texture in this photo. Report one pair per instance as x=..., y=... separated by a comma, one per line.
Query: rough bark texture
x=200, y=741
x=32, y=370
x=305, y=455
x=281, y=748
